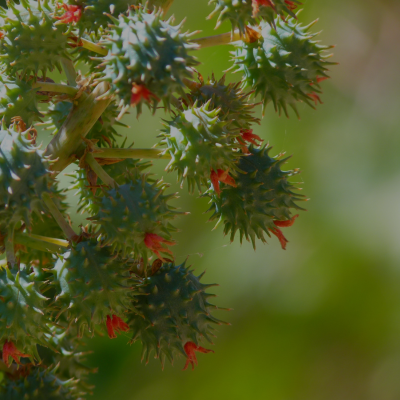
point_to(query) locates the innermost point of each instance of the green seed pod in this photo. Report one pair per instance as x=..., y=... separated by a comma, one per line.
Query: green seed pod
x=233, y=102
x=24, y=177
x=147, y=55
x=172, y=310
x=39, y=384
x=263, y=194
x=19, y=99
x=131, y=211
x=92, y=283
x=23, y=312
x=31, y=42
x=198, y=143
x=284, y=65
x=244, y=12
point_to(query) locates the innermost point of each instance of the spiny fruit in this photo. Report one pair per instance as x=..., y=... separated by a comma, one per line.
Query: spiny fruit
x=31, y=42
x=244, y=12
x=136, y=216
x=261, y=201
x=39, y=384
x=233, y=102
x=23, y=312
x=147, y=60
x=93, y=283
x=24, y=176
x=172, y=310
x=284, y=65
x=199, y=143
x=19, y=99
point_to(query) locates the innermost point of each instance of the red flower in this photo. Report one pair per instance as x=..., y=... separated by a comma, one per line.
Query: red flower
x=153, y=242
x=278, y=233
x=221, y=176
x=116, y=324
x=190, y=349
x=72, y=13
x=140, y=92
x=9, y=350
x=248, y=136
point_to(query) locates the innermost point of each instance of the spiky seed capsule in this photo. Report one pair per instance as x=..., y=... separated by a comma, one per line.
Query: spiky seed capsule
x=171, y=310
x=23, y=47
x=146, y=51
x=263, y=195
x=133, y=210
x=230, y=98
x=92, y=283
x=198, y=143
x=250, y=12
x=19, y=99
x=24, y=177
x=284, y=65
x=23, y=311
x=40, y=383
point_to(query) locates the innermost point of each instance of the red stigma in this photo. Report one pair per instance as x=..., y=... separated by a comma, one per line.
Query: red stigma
x=257, y=3
x=9, y=350
x=315, y=97
x=290, y=5
x=278, y=233
x=190, y=349
x=221, y=176
x=115, y=324
x=72, y=14
x=154, y=243
x=248, y=136
x=140, y=92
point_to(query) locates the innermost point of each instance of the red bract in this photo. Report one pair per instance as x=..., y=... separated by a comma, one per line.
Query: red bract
x=190, y=349
x=115, y=324
x=72, y=14
x=248, y=136
x=9, y=350
x=154, y=243
x=140, y=92
x=221, y=176
x=278, y=233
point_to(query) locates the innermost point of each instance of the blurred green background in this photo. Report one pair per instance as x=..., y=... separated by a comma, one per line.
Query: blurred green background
x=321, y=320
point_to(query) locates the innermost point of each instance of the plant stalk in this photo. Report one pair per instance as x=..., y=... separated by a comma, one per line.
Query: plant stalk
x=56, y=88
x=99, y=171
x=55, y=212
x=87, y=44
x=80, y=120
x=9, y=245
x=131, y=153
x=216, y=40
x=41, y=243
x=70, y=72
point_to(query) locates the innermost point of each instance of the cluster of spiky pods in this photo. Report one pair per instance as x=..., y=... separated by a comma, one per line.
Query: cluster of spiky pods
x=118, y=274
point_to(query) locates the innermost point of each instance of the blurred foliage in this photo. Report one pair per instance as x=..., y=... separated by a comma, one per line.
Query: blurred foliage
x=321, y=320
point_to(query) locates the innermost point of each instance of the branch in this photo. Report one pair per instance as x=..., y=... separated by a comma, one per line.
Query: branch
x=55, y=87
x=55, y=212
x=69, y=70
x=41, y=243
x=130, y=153
x=9, y=245
x=216, y=40
x=87, y=44
x=99, y=171
x=80, y=120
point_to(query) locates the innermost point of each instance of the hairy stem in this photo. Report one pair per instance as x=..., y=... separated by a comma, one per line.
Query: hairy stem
x=9, y=245
x=131, y=153
x=99, y=171
x=55, y=87
x=69, y=70
x=80, y=120
x=55, y=212
x=216, y=40
x=41, y=243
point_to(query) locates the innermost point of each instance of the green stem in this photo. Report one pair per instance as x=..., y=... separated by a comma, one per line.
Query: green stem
x=69, y=70
x=216, y=40
x=80, y=120
x=131, y=153
x=87, y=44
x=41, y=243
x=99, y=171
x=55, y=212
x=55, y=87
x=9, y=245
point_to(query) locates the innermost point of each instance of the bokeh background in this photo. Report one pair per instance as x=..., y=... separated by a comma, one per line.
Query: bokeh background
x=321, y=320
